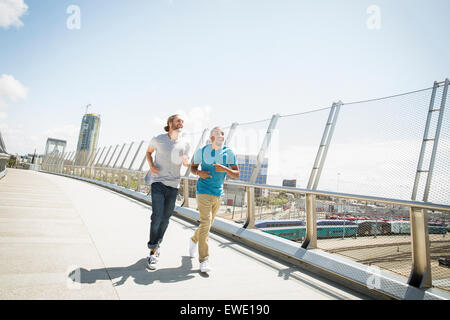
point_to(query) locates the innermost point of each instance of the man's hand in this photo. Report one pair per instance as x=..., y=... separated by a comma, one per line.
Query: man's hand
x=232, y=172
x=204, y=174
x=220, y=168
x=185, y=160
x=154, y=169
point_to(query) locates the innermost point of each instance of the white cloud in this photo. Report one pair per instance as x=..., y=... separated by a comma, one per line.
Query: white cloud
x=68, y=133
x=195, y=119
x=11, y=11
x=3, y=105
x=11, y=88
x=22, y=140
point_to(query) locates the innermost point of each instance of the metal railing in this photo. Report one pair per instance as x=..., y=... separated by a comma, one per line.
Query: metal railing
x=415, y=249
x=420, y=273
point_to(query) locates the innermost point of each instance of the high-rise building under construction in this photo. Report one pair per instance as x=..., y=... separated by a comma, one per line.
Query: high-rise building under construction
x=88, y=138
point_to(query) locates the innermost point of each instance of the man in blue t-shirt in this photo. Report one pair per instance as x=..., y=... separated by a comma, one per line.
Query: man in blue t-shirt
x=216, y=162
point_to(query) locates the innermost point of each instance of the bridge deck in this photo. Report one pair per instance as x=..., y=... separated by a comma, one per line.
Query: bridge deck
x=52, y=225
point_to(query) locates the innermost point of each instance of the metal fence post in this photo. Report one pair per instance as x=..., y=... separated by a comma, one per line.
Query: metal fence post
x=231, y=133
x=425, y=139
x=71, y=162
x=135, y=155
x=126, y=155
x=106, y=156
x=436, y=141
x=264, y=146
x=323, y=148
x=107, y=169
x=420, y=276
x=311, y=223
x=61, y=163
x=121, y=175
x=91, y=163
x=69, y=155
x=103, y=163
x=228, y=139
x=199, y=145
x=114, y=169
x=85, y=164
x=250, y=223
x=139, y=176
x=120, y=153
x=112, y=156
x=185, y=193
x=54, y=160
x=132, y=161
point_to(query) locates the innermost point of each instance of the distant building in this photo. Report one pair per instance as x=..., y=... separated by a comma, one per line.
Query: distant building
x=235, y=194
x=88, y=138
x=246, y=163
x=55, y=146
x=290, y=183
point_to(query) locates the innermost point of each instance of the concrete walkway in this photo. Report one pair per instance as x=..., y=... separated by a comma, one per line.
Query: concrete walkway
x=53, y=227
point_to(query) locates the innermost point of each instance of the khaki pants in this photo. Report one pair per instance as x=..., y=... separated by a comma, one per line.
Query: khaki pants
x=208, y=206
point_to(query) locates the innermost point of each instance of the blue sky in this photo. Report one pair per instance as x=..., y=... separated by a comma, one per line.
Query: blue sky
x=219, y=61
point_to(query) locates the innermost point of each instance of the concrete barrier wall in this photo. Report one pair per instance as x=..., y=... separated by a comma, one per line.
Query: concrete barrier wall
x=3, y=160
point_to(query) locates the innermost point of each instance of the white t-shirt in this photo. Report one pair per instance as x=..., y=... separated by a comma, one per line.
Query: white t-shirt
x=168, y=159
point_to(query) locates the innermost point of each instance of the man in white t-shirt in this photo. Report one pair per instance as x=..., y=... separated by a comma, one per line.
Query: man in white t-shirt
x=171, y=151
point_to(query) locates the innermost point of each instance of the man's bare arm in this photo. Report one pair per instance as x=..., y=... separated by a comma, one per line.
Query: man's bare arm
x=233, y=172
x=148, y=155
x=200, y=173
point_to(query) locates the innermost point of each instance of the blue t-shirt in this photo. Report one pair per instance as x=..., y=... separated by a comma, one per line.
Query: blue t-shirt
x=206, y=157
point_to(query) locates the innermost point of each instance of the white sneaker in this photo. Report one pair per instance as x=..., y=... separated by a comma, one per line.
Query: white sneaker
x=193, y=248
x=151, y=262
x=204, y=266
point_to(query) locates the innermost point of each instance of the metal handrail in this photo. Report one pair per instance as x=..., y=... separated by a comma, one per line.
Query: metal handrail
x=406, y=203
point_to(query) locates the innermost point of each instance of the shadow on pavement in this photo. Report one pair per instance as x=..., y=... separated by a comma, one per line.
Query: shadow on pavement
x=138, y=271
